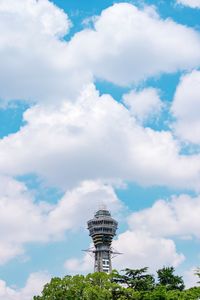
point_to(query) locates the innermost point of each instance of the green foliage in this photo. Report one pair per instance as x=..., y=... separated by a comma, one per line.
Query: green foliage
x=97, y=286
x=192, y=294
x=167, y=278
x=131, y=285
x=137, y=279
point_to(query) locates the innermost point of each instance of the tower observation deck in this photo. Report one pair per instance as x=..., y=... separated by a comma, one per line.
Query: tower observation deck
x=102, y=229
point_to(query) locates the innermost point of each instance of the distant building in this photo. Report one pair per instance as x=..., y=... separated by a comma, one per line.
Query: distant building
x=102, y=229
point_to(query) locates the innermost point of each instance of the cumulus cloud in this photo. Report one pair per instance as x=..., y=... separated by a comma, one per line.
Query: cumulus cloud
x=186, y=107
x=139, y=248
x=144, y=105
x=190, y=3
x=34, y=64
x=22, y=220
x=128, y=45
x=34, y=286
x=125, y=46
x=16, y=210
x=45, y=16
x=77, y=266
x=170, y=218
x=96, y=138
x=189, y=277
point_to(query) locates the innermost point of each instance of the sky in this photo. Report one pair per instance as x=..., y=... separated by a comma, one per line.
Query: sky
x=99, y=103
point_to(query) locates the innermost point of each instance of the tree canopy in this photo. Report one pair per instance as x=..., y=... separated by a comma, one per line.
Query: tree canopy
x=131, y=284
x=167, y=278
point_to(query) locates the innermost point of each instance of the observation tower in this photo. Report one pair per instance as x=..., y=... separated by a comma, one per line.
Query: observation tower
x=102, y=229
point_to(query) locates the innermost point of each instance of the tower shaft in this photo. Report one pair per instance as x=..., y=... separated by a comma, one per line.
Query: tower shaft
x=103, y=260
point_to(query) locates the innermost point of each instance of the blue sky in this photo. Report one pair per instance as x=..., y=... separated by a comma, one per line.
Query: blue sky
x=100, y=102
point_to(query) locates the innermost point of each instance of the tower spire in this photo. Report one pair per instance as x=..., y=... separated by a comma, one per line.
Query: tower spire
x=102, y=206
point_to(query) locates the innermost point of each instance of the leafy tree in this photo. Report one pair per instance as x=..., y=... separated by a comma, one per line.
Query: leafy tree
x=167, y=278
x=192, y=294
x=66, y=288
x=96, y=286
x=132, y=285
x=136, y=279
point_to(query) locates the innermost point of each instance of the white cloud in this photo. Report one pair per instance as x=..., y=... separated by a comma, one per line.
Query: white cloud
x=33, y=287
x=45, y=16
x=189, y=277
x=186, y=107
x=141, y=249
x=177, y=217
x=190, y=3
x=20, y=219
x=128, y=45
x=23, y=221
x=34, y=63
x=77, y=266
x=144, y=105
x=96, y=138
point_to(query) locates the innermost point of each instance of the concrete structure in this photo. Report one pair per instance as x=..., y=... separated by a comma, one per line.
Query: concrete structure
x=102, y=229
